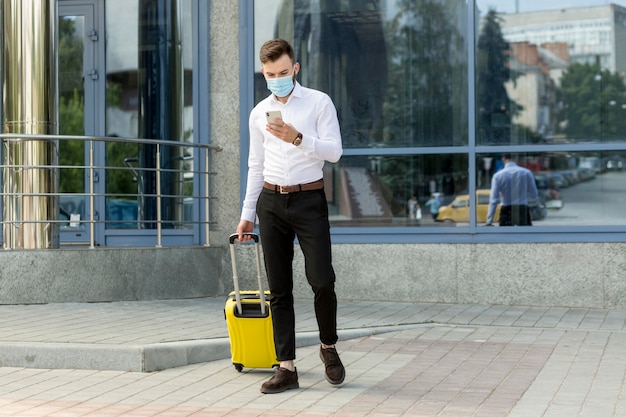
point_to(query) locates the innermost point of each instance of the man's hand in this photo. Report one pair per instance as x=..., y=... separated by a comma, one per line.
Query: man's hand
x=244, y=227
x=286, y=132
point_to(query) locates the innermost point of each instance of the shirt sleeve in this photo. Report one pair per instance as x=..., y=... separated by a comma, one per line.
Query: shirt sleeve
x=494, y=199
x=255, y=171
x=533, y=193
x=327, y=145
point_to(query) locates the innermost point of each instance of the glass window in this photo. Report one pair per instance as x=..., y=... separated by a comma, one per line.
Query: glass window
x=575, y=188
x=396, y=70
x=549, y=87
x=71, y=115
x=550, y=75
x=387, y=190
x=149, y=95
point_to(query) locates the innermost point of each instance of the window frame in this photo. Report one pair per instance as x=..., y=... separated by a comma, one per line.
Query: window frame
x=473, y=233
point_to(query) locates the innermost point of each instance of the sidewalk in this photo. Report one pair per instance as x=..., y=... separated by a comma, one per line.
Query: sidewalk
x=401, y=359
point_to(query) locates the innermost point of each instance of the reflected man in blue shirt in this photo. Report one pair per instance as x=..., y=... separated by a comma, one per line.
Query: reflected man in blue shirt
x=513, y=187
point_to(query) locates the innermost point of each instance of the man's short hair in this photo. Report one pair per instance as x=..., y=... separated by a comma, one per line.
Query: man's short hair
x=507, y=156
x=273, y=49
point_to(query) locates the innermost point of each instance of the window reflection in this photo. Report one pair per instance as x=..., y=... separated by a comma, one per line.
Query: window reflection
x=555, y=75
x=380, y=190
x=396, y=70
x=575, y=188
x=149, y=95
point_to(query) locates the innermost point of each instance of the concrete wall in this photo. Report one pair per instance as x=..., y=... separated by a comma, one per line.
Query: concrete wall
x=564, y=274
x=535, y=274
x=97, y=275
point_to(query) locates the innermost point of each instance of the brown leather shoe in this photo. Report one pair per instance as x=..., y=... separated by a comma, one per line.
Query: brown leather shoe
x=282, y=380
x=335, y=372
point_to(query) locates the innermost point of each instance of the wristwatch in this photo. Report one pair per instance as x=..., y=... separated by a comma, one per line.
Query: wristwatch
x=298, y=140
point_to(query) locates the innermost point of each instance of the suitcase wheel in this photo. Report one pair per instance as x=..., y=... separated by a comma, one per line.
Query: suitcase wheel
x=238, y=367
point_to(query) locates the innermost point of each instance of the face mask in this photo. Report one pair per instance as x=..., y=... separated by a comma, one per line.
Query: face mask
x=281, y=87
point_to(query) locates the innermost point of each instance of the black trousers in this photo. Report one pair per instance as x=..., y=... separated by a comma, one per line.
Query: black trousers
x=282, y=217
x=515, y=215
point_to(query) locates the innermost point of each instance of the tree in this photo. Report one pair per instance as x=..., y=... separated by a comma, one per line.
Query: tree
x=426, y=91
x=71, y=152
x=425, y=63
x=495, y=110
x=594, y=103
x=71, y=107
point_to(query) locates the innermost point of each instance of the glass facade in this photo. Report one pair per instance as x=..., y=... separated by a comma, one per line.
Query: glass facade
x=431, y=93
x=149, y=95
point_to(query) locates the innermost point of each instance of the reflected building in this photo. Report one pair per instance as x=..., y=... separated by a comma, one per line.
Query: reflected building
x=594, y=34
x=538, y=70
x=544, y=43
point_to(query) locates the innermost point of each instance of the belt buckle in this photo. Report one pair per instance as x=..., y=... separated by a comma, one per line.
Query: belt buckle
x=282, y=189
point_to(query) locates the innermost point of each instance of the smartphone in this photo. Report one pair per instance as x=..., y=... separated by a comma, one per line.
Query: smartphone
x=272, y=115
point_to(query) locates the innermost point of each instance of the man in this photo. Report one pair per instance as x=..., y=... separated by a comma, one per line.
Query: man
x=513, y=186
x=412, y=206
x=285, y=189
x=433, y=204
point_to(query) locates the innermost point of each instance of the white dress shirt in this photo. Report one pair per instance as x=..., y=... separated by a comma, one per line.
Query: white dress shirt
x=313, y=114
x=511, y=186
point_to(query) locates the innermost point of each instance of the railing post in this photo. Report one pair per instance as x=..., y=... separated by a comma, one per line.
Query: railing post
x=207, y=241
x=158, y=193
x=92, y=210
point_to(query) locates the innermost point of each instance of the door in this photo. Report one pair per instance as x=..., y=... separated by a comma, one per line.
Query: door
x=79, y=87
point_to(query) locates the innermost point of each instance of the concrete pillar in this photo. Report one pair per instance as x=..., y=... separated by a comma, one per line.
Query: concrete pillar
x=29, y=104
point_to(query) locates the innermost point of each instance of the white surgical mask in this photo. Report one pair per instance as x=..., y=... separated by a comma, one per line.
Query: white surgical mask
x=281, y=86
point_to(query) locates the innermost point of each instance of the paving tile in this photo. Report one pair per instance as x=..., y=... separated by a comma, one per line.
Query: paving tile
x=453, y=360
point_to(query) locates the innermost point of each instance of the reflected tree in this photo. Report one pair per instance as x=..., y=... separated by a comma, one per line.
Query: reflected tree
x=71, y=152
x=426, y=90
x=426, y=51
x=495, y=110
x=71, y=104
x=594, y=103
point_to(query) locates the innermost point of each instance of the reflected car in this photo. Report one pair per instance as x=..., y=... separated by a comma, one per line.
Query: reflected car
x=586, y=174
x=614, y=163
x=458, y=210
x=560, y=180
x=593, y=163
x=571, y=175
x=538, y=208
x=551, y=197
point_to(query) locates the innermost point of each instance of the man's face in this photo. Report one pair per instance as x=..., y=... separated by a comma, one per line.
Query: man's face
x=282, y=67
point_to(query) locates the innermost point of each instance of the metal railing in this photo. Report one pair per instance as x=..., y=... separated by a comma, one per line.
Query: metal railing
x=200, y=160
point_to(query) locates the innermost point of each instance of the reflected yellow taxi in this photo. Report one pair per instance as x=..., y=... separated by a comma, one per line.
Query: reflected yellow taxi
x=458, y=211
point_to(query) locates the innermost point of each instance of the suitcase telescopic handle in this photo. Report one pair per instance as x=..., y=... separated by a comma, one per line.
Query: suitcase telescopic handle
x=235, y=236
x=255, y=237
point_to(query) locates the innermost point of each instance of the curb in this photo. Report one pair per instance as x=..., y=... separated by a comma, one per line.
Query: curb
x=144, y=358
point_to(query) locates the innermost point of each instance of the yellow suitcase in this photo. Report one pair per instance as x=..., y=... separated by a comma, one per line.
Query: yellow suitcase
x=249, y=319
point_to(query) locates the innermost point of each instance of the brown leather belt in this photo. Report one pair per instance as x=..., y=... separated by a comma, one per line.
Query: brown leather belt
x=288, y=189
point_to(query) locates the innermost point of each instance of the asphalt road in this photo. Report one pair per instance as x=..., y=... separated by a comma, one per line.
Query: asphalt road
x=601, y=201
